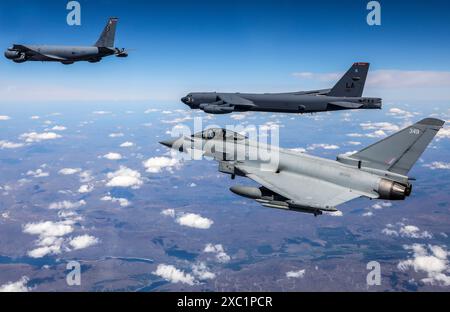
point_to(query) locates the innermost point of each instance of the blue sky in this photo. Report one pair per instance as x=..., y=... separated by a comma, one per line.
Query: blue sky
x=182, y=46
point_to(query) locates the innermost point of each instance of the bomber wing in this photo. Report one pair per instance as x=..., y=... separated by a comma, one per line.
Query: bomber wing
x=302, y=191
x=235, y=100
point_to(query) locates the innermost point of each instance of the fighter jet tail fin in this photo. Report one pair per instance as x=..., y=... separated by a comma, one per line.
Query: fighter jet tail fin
x=108, y=35
x=399, y=152
x=352, y=83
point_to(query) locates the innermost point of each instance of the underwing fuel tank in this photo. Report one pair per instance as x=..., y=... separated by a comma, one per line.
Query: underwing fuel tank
x=271, y=200
x=248, y=192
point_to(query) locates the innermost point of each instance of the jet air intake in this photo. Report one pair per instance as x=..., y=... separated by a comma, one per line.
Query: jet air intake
x=393, y=191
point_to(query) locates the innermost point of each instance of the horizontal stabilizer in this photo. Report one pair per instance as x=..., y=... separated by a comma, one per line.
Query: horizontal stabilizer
x=344, y=105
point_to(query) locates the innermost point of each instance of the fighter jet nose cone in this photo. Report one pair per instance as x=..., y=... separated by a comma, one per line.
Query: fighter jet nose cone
x=167, y=143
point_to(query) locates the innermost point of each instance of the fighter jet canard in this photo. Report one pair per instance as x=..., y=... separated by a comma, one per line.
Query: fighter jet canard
x=69, y=54
x=346, y=94
x=305, y=183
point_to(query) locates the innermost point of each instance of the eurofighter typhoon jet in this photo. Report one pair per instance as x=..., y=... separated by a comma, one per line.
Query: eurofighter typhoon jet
x=69, y=54
x=346, y=94
x=304, y=183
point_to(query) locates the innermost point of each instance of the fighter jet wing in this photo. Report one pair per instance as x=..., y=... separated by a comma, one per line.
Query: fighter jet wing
x=235, y=100
x=346, y=105
x=302, y=190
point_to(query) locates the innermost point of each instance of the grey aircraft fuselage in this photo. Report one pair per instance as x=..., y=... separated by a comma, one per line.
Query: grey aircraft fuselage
x=346, y=94
x=65, y=54
x=295, y=102
x=68, y=53
x=299, y=182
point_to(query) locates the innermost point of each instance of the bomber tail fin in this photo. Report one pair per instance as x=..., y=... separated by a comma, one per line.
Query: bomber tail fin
x=108, y=35
x=399, y=152
x=352, y=83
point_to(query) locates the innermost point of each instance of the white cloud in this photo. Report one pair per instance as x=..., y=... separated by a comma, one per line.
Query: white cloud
x=67, y=205
x=407, y=231
x=85, y=188
x=123, y=202
x=238, y=116
x=151, y=110
x=195, y=221
x=127, y=144
x=125, y=177
x=83, y=241
x=39, y=173
x=113, y=156
x=219, y=251
x=86, y=176
x=101, y=113
x=432, y=260
x=322, y=146
x=9, y=145
x=4, y=118
x=438, y=165
x=59, y=128
x=15, y=287
x=384, y=126
x=368, y=214
x=413, y=232
x=168, y=213
x=116, y=135
x=69, y=171
x=50, y=236
x=355, y=143
x=381, y=205
x=201, y=271
x=444, y=133
x=32, y=137
x=35, y=117
x=157, y=164
x=174, y=275
x=398, y=112
x=296, y=274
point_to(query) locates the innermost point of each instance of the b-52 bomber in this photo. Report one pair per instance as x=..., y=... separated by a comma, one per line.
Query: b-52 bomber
x=305, y=183
x=346, y=94
x=69, y=54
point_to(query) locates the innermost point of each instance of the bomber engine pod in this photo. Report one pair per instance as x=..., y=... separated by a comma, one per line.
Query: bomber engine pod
x=392, y=190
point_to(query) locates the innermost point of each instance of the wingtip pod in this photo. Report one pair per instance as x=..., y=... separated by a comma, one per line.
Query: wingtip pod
x=432, y=122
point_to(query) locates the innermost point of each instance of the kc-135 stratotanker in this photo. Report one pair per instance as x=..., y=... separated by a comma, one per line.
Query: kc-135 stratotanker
x=67, y=55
